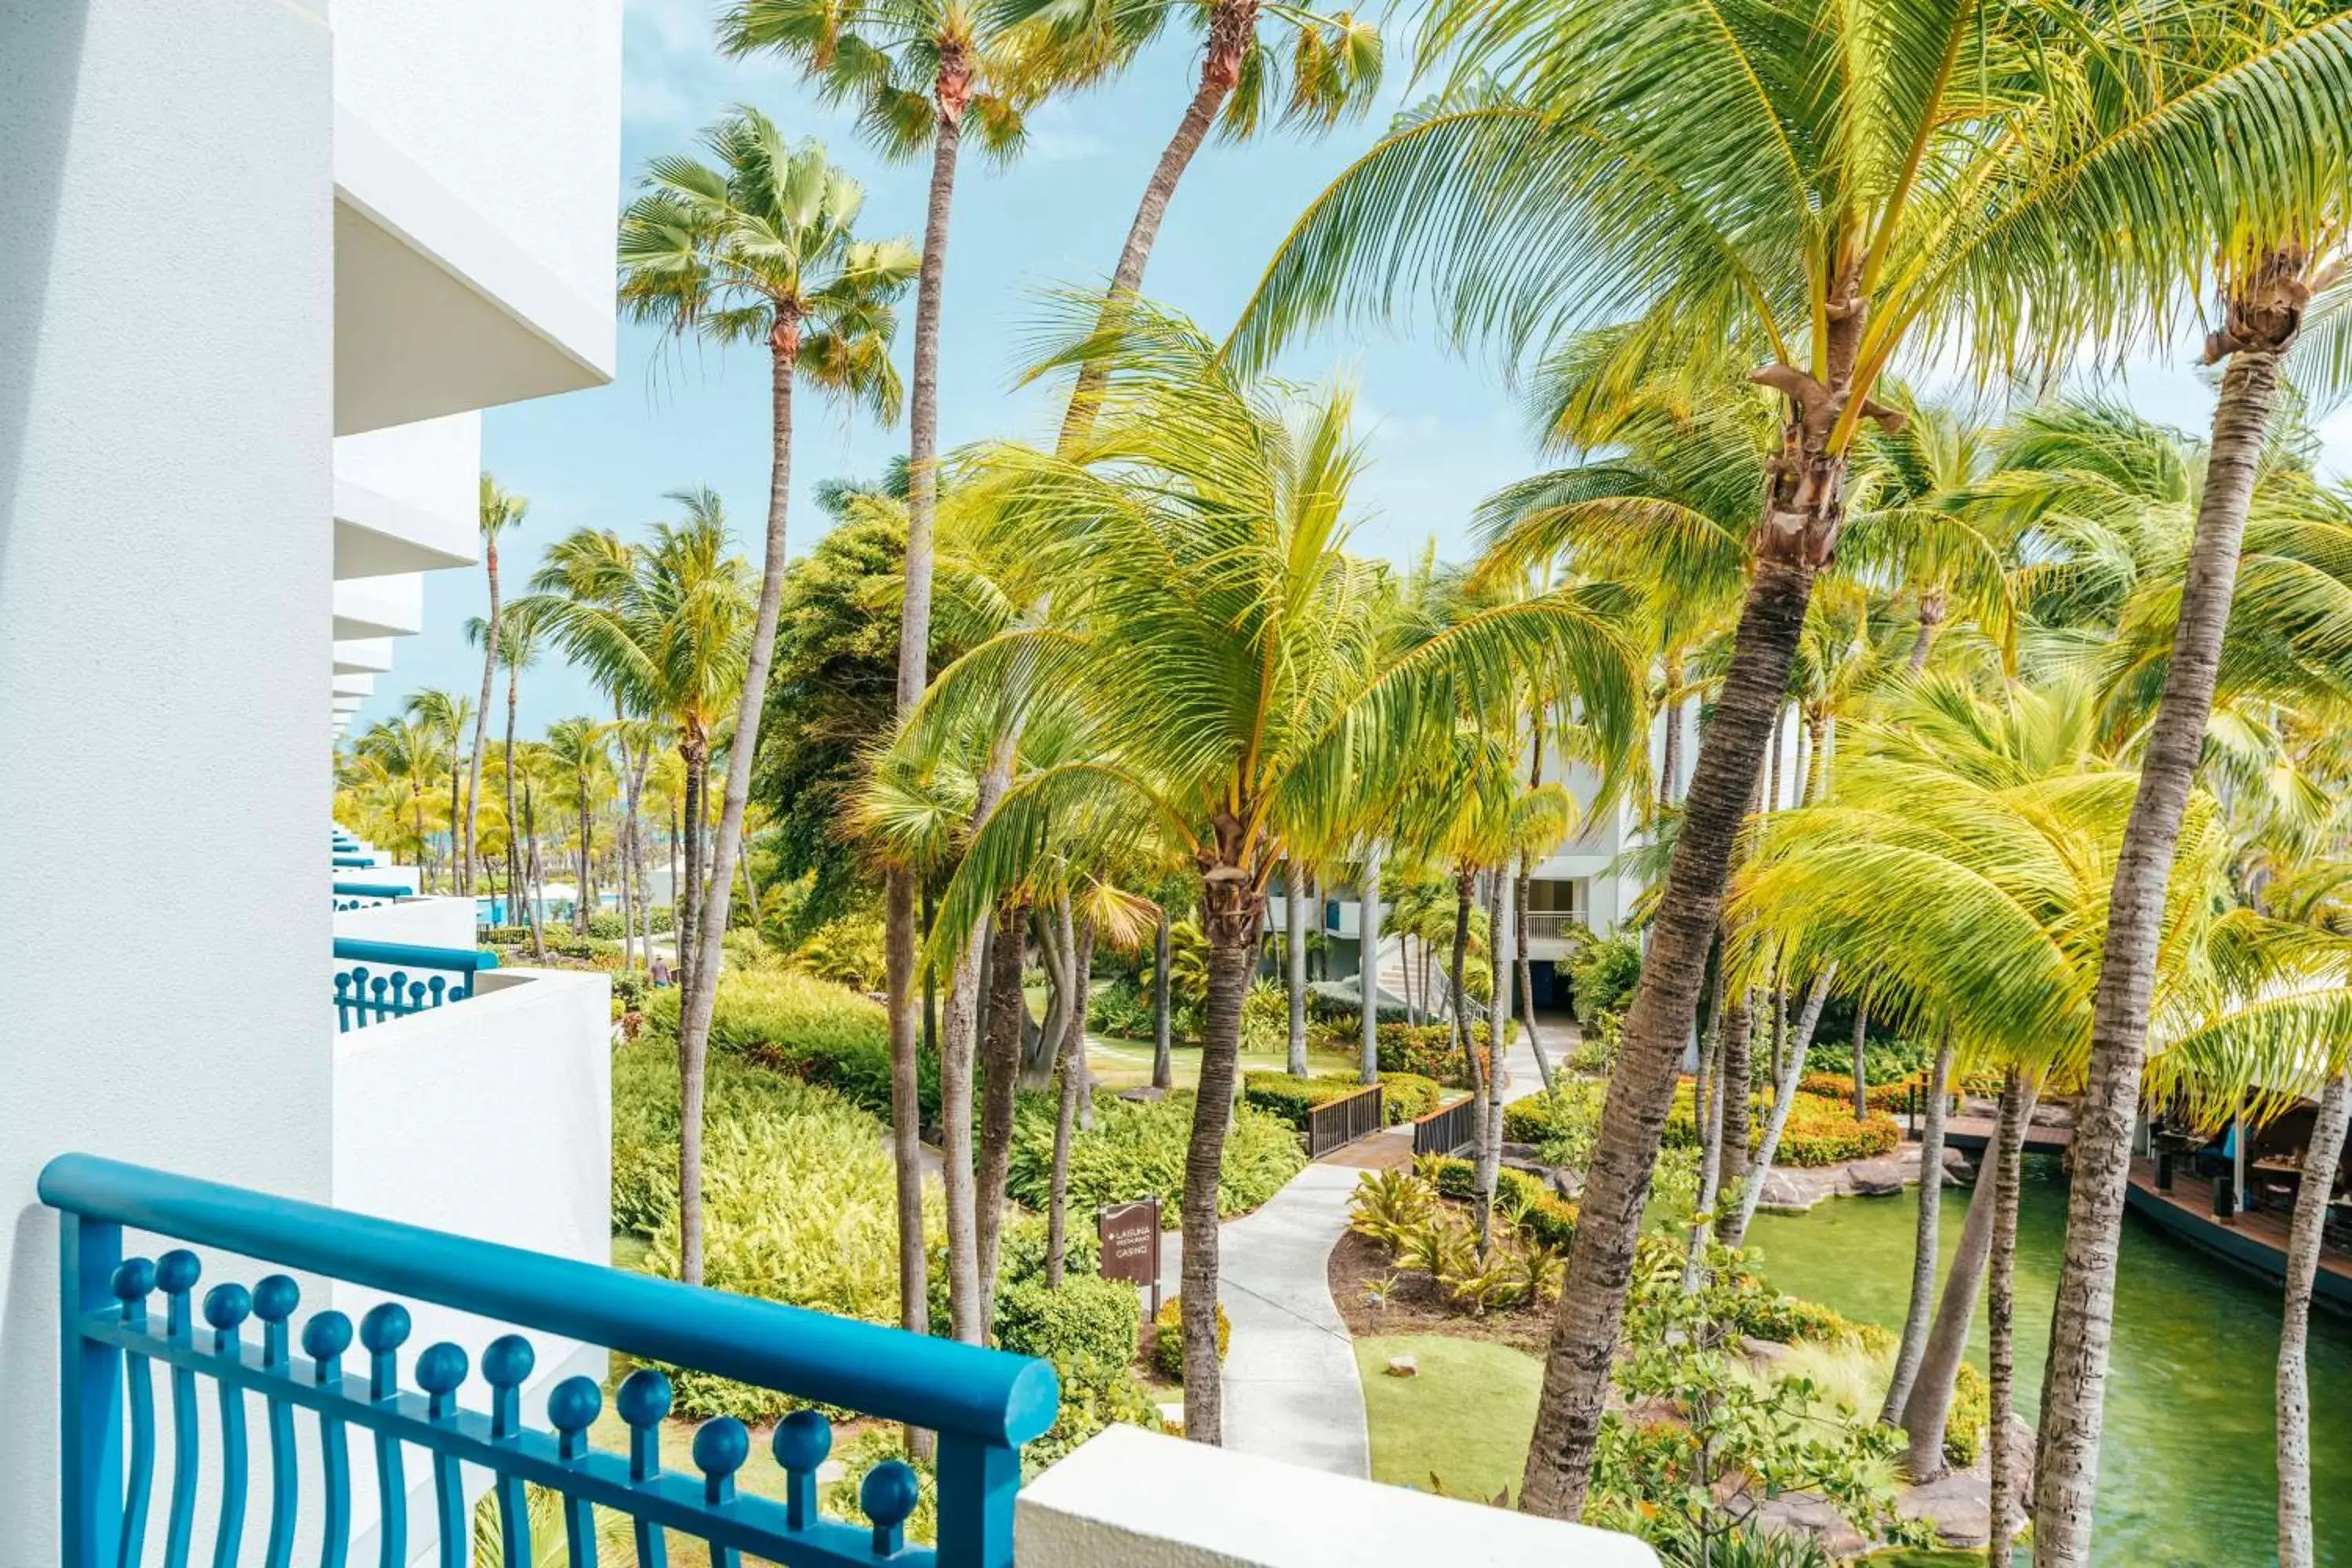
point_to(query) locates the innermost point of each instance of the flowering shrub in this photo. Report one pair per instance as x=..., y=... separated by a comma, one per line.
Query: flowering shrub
x=1428, y=1050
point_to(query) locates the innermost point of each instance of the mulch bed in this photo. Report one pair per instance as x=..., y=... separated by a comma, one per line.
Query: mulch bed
x=1418, y=1305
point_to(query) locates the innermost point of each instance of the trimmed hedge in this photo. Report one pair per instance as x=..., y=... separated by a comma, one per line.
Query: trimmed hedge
x=1137, y=1150
x=1408, y=1096
x=1291, y=1098
x=1819, y=1131
x=1167, y=1339
x=1427, y=1050
x=808, y=1027
x=1891, y=1098
x=1546, y=1218
x=1089, y=1324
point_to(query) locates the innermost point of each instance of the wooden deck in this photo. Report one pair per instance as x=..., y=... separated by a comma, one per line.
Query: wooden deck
x=2254, y=1241
x=1974, y=1135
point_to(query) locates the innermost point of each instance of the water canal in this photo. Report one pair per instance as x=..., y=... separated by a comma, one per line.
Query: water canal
x=2187, y=1478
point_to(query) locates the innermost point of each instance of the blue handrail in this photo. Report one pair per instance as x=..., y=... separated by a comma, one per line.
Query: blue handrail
x=375, y=889
x=982, y=1404
x=346, y=862
x=364, y=996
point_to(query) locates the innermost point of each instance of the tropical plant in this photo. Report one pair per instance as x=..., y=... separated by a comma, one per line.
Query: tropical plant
x=757, y=246
x=499, y=511
x=1200, y=535
x=1992, y=176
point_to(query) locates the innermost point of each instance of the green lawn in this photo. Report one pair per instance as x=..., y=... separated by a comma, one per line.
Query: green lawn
x=1466, y=1419
x=1119, y=1064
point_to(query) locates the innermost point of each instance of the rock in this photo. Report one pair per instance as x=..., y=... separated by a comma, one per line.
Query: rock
x=1789, y=1187
x=1143, y=1091
x=832, y=1471
x=1882, y=1177
x=1523, y=1156
x=1809, y=1513
x=2046, y=1114
x=1404, y=1366
x=1763, y=1353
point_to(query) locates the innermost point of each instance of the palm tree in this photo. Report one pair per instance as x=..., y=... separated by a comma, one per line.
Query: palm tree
x=578, y=747
x=667, y=627
x=444, y=716
x=759, y=248
x=398, y=760
x=500, y=511
x=1335, y=71
x=1219, y=650
x=513, y=641
x=1677, y=166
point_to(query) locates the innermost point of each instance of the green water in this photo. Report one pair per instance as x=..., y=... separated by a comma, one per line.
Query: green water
x=2187, y=1476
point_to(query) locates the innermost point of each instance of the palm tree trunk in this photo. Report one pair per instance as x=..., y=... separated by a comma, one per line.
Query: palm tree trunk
x=1294, y=956
x=1861, y=1067
x=1073, y=1059
x=456, y=785
x=1738, y=1072
x=1784, y=1094
x=2000, y=1310
x=1796, y=537
x=1670, y=747
x=512, y=858
x=959, y=1036
x=2319, y=1160
x=1706, y=1112
x=1008, y=1014
x=1232, y=24
x=1498, y=1020
x=580, y=894
x=1926, y=1239
x=1163, y=1067
x=1931, y=615
x=1927, y=1411
x=2263, y=316
x=1231, y=911
x=482, y=708
x=702, y=992
x=1367, y=963
x=690, y=885
x=530, y=872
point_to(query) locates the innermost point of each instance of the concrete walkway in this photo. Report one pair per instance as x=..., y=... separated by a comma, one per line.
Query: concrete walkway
x=1291, y=1388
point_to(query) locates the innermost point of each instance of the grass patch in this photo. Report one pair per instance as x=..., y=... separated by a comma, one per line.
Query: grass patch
x=1118, y=1063
x=1466, y=1419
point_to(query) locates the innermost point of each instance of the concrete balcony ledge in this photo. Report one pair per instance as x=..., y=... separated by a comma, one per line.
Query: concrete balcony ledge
x=373, y=607
x=1142, y=1500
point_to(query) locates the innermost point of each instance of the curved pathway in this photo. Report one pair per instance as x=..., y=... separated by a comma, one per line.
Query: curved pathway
x=1292, y=1389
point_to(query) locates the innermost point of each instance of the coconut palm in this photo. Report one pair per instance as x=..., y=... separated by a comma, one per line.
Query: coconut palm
x=398, y=762
x=499, y=511
x=444, y=716
x=1978, y=178
x=1220, y=647
x=513, y=641
x=1334, y=71
x=580, y=747
x=757, y=246
x=667, y=627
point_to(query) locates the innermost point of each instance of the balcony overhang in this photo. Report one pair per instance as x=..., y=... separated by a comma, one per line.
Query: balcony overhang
x=377, y=535
x=370, y=607
x=353, y=685
x=363, y=656
x=436, y=311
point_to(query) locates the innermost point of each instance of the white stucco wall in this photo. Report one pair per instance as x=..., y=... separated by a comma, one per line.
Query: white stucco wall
x=428, y=922
x=513, y=108
x=165, y=483
x=1141, y=1500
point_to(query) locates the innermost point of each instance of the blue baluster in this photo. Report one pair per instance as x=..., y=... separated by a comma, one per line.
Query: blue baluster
x=416, y=996
x=399, y=1003
x=505, y=1363
x=437, y=987
x=132, y=1280
x=440, y=1372
x=572, y=1409
x=343, y=1002
x=274, y=1300
x=644, y=1400
x=325, y=1338
x=889, y=1496
x=803, y=1440
x=978, y=1485
x=176, y=1272
x=382, y=1332
x=720, y=1447
x=90, y=1389
x=225, y=1308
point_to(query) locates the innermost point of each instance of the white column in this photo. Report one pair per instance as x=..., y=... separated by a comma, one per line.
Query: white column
x=166, y=330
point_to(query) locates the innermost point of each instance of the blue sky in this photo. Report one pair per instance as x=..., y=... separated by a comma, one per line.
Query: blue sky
x=1442, y=433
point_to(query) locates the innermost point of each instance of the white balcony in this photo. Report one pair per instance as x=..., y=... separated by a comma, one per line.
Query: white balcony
x=363, y=656
x=375, y=607
x=406, y=498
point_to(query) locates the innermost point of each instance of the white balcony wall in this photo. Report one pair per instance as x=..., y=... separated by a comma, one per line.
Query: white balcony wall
x=407, y=498
x=426, y=922
x=164, y=443
x=363, y=656
x=373, y=607
x=1142, y=1500
x=476, y=202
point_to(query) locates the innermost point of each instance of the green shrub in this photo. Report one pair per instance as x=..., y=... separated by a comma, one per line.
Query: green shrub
x=1137, y=1150
x=1541, y=1214
x=1342, y=1002
x=799, y=1199
x=1408, y=1096
x=1087, y=1322
x=606, y=925
x=1818, y=1132
x=1279, y=1094
x=1265, y=1018
x=1122, y=1008
x=805, y=1026
x=1603, y=977
x=846, y=950
x=1965, y=1429
x=1428, y=1050
x=1167, y=1339
x=1890, y=1097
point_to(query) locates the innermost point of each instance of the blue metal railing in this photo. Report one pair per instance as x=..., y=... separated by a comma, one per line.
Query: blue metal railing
x=355, y=862
x=407, y=979
x=982, y=1404
x=366, y=895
